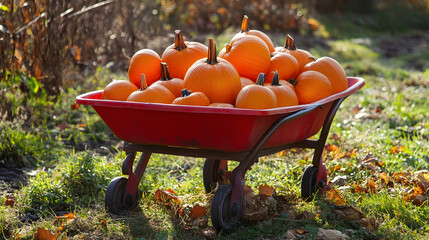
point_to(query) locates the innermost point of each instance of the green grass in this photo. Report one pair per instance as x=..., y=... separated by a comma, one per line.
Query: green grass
x=76, y=155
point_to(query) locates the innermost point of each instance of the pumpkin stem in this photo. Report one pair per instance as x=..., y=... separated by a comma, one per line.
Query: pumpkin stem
x=290, y=43
x=261, y=79
x=165, y=75
x=228, y=47
x=244, y=24
x=179, y=41
x=212, y=59
x=186, y=92
x=312, y=58
x=276, y=79
x=143, y=84
x=292, y=81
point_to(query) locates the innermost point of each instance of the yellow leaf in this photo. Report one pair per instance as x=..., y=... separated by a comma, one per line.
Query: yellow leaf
x=351, y=153
x=167, y=197
x=313, y=23
x=359, y=189
x=335, y=196
x=385, y=178
x=332, y=148
x=76, y=52
x=371, y=185
x=396, y=149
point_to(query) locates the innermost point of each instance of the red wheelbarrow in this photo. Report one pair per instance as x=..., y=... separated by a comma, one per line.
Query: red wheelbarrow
x=219, y=135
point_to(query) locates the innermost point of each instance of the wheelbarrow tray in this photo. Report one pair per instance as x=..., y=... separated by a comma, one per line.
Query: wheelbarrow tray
x=209, y=128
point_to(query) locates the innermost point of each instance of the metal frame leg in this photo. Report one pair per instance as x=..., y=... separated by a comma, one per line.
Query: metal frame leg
x=135, y=176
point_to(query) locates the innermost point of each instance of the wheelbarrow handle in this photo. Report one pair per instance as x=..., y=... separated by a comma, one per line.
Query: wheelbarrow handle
x=253, y=154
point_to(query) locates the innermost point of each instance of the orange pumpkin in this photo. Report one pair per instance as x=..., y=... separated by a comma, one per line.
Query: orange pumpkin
x=312, y=86
x=245, y=30
x=245, y=82
x=119, y=90
x=215, y=77
x=256, y=96
x=156, y=93
x=222, y=105
x=302, y=56
x=286, y=83
x=285, y=95
x=249, y=55
x=147, y=62
x=181, y=55
x=331, y=69
x=192, y=98
x=175, y=85
x=284, y=64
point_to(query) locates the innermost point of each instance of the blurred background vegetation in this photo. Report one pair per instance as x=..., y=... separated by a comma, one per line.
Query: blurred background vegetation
x=51, y=41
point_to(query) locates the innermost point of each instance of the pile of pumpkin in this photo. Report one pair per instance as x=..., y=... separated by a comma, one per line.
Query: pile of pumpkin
x=247, y=73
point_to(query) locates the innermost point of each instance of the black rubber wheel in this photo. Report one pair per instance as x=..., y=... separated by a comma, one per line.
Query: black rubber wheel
x=221, y=217
x=308, y=183
x=211, y=174
x=114, y=198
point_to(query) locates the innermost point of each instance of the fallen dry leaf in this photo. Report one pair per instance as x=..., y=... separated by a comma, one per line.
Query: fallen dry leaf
x=306, y=215
x=10, y=201
x=424, y=173
x=62, y=220
x=402, y=177
x=358, y=189
x=334, y=196
x=290, y=235
x=419, y=200
x=385, y=179
x=336, y=137
x=351, y=153
x=422, y=181
x=356, y=109
x=198, y=211
x=368, y=223
x=332, y=148
x=370, y=184
x=209, y=233
x=266, y=190
x=63, y=125
x=67, y=217
x=396, y=149
x=335, y=168
x=74, y=106
x=348, y=212
x=260, y=207
x=339, y=181
x=103, y=223
x=255, y=210
x=43, y=234
x=330, y=234
x=75, y=51
x=167, y=197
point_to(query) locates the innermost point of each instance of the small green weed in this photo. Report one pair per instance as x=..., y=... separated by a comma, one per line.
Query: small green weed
x=22, y=149
x=81, y=175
